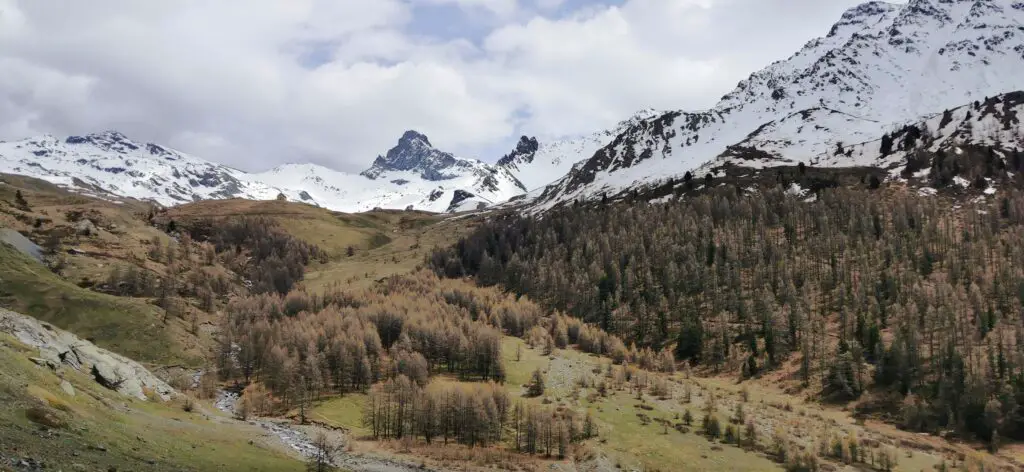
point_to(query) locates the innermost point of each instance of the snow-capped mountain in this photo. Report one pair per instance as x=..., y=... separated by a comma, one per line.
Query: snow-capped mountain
x=110, y=163
x=537, y=163
x=882, y=65
x=413, y=173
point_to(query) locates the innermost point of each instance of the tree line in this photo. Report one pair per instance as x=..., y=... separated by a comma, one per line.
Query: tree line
x=258, y=248
x=304, y=345
x=480, y=414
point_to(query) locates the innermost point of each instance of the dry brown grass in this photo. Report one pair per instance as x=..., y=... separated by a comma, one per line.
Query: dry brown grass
x=452, y=456
x=412, y=239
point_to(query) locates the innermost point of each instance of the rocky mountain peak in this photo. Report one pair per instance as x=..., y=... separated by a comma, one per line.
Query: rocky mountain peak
x=110, y=140
x=412, y=137
x=524, y=151
x=414, y=153
x=861, y=15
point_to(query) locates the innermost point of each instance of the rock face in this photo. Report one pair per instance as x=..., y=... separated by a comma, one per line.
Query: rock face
x=538, y=163
x=58, y=347
x=414, y=153
x=524, y=152
x=21, y=243
x=416, y=156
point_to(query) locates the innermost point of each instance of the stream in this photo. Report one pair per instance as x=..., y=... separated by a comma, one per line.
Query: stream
x=301, y=443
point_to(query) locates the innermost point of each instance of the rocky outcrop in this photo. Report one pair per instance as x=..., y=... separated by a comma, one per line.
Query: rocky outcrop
x=60, y=348
x=524, y=152
x=85, y=227
x=21, y=243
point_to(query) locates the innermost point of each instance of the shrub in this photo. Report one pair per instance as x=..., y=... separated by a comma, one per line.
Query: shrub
x=536, y=386
x=712, y=428
x=46, y=416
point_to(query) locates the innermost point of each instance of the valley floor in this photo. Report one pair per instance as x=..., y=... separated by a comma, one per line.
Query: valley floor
x=96, y=429
x=641, y=434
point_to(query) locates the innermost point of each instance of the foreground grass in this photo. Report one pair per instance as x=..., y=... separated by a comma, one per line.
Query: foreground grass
x=97, y=429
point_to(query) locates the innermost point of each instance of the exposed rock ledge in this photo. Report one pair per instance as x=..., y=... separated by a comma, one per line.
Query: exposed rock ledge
x=58, y=347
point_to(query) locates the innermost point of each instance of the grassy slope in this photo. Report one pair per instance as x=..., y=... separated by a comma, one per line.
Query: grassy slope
x=626, y=440
x=385, y=242
x=131, y=327
x=344, y=411
x=332, y=231
x=122, y=233
x=412, y=236
x=136, y=435
x=128, y=326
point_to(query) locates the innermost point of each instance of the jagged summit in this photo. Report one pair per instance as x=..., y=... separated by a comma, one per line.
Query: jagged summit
x=414, y=153
x=412, y=136
x=524, y=152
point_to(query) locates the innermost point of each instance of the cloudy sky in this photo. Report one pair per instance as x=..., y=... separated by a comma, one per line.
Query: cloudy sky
x=256, y=83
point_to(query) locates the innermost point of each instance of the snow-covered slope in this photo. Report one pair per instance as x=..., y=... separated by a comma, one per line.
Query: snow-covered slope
x=537, y=163
x=984, y=138
x=110, y=163
x=880, y=66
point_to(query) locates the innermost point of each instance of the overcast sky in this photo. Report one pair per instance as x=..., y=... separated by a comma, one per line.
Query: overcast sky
x=257, y=83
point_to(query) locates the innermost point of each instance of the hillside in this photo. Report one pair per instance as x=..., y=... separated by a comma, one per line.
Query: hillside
x=638, y=407
x=894, y=303
x=57, y=289
x=61, y=419
x=368, y=306
x=360, y=248
x=89, y=282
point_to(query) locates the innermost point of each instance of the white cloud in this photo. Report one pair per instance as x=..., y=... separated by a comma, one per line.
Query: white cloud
x=257, y=83
x=501, y=8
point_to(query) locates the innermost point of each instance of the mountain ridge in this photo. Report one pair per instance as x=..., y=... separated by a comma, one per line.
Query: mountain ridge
x=108, y=164
x=882, y=65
